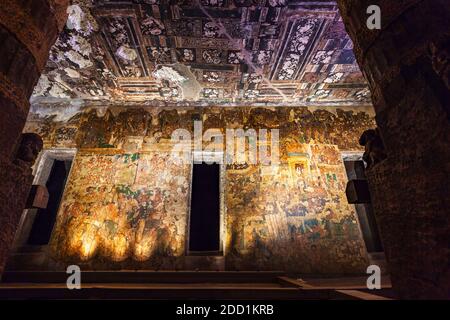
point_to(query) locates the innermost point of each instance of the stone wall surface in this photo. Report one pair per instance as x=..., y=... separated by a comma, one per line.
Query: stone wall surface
x=126, y=204
x=407, y=66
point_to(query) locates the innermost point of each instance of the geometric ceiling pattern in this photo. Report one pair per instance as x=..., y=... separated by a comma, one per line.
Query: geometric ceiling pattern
x=213, y=51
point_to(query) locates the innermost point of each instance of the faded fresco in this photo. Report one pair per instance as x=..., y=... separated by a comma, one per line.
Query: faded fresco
x=295, y=216
x=121, y=207
x=126, y=204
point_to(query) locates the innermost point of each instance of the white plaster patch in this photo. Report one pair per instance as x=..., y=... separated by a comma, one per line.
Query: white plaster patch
x=126, y=53
x=169, y=74
x=72, y=73
x=62, y=114
x=57, y=78
x=77, y=58
x=96, y=93
x=334, y=77
x=42, y=86
x=80, y=45
x=322, y=93
x=75, y=17
x=323, y=57
x=80, y=21
x=58, y=91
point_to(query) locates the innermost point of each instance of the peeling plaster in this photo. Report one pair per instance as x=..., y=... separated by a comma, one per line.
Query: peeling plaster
x=42, y=86
x=58, y=113
x=58, y=91
x=80, y=20
x=110, y=56
x=169, y=74
x=126, y=53
x=191, y=88
x=335, y=77
x=72, y=73
x=78, y=59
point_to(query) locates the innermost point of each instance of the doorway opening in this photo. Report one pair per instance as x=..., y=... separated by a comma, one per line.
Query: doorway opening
x=204, y=222
x=44, y=221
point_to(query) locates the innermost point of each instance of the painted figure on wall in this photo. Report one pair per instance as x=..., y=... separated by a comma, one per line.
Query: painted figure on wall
x=110, y=212
x=300, y=214
x=125, y=209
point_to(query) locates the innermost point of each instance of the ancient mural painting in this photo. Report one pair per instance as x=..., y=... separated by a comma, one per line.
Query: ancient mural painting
x=127, y=207
x=294, y=216
x=121, y=206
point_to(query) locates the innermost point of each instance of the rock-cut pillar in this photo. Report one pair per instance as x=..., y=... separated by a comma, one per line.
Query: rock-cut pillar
x=406, y=63
x=28, y=29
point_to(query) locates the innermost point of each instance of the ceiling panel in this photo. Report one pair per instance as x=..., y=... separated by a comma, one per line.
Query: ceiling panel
x=215, y=51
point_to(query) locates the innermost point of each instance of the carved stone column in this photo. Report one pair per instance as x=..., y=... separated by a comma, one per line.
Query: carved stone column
x=28, y=29
x=407, y=66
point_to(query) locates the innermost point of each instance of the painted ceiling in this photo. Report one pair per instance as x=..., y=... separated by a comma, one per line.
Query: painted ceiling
x=204, y=51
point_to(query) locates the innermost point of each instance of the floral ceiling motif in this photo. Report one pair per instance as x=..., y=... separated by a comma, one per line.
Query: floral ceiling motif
x=216, y=51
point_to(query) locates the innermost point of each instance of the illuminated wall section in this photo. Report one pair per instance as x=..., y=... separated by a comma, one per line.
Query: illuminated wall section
x=293, y=217
x=123, y=206
x=126, y=204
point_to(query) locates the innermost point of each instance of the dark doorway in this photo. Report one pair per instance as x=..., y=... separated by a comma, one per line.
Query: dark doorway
x=204, y=233
x=45, y=218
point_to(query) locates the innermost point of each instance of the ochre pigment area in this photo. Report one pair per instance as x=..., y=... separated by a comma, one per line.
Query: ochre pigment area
x=126, y=203
x=118, y=206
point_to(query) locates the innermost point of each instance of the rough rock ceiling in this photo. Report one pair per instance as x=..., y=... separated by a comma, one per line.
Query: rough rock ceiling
x=205, y=51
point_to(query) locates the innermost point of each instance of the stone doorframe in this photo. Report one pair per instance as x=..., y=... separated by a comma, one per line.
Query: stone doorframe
x=41, y=172
x=205, y=156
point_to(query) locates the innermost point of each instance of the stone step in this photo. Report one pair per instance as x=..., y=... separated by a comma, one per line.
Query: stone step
x=248, y=285
x=131, y=276
x=250, y=291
